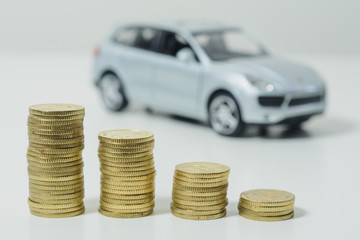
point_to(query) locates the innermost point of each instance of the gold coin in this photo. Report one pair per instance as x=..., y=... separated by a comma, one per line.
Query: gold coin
x=267, y=219
x=58, y=215
x=142, y=209
x=264, y=214
x=125, y=202
x=127, y=174
x=198, y=217
x=127, y=192
x=56, y=201
x=128, y=197
x=124, y=215
x=51, y=128
x=55, y=133
x=194, y=212
x=127, y=165
x=122, y=151
x=120, y=160
x=56, y=147
x=149, y=144
x=62, y=122
x=124, y=155
x=55, y=137
x=53, y=159
x=127, y=136
x=199, y=194
x=51, y=141
x=45, y=156
x=45, y=192
x=57, y=183
x=54, y=165
x=130, y=207
x=53, y=174
x=200, y=180
x=125, y=188
x=131, y=178
x=266, y=208
x=199, y=203
x=267, y=197
x=200, y=184
x=57, y=109
x=199, y=189
x=51, y=195
x=56, y=151
x=54, y=206
x=56, y=168
x=126, y=183
x=127, y=169
x=56, y=187
x=56, y=179
x=201, y=199
x=57, y=117
x=202, y=168
x=215, y=177
x=200, y=208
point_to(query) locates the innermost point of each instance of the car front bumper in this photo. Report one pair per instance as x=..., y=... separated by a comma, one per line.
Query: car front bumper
x=282, y=108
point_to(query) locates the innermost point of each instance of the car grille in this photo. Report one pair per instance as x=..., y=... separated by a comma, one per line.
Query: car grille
x=304, y=100
x=271, y=101
x=277, y=101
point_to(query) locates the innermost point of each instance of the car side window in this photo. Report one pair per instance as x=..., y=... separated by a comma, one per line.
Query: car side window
x=172, y=43
x=139, y=37
x=146, y=38
x=126, y=36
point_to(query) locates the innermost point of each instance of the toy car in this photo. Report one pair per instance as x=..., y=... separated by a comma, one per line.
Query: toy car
x=208, y=72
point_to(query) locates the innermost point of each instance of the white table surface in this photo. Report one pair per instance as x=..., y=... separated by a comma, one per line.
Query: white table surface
x=320, y=164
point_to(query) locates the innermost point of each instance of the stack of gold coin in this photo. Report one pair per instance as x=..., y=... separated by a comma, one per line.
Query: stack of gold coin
x=266, y=205
x=199, y=190
x=54, y=158
x=128, y=173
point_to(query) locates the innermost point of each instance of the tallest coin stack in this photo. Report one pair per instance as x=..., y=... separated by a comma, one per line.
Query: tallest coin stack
x=54, y=156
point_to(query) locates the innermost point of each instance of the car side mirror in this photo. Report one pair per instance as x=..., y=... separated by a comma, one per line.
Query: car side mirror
x=186, y=55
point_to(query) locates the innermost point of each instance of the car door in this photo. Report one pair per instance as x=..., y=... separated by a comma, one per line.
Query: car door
x=177, y=81
x=134, y=52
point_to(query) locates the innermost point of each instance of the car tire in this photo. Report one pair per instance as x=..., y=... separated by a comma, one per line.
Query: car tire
x=112, y=92
x=224, y=115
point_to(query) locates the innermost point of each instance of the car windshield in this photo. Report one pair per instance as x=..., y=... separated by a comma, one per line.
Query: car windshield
x=227, y=44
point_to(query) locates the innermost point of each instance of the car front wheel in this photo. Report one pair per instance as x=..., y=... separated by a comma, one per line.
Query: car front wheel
x=112, y=93
x=224, y=115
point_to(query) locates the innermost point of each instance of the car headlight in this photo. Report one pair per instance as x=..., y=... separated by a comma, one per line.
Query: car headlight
x=260, y=84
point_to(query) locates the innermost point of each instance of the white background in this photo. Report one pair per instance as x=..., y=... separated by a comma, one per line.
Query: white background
x=44, y=58
x=296, y=26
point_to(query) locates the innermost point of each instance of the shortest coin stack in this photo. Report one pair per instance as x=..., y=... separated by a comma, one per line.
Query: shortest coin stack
x=266, y=205
x=54, y=156
x=199, y=190
x=128, y=173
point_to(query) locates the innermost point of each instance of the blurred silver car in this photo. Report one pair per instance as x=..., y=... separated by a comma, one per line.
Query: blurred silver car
x=209, y=72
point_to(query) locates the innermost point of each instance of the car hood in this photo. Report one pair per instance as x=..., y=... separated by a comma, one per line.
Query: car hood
x=280, y=72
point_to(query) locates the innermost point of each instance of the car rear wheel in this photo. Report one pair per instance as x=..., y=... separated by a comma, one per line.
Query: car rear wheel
x=224, y=115
x=112, y=93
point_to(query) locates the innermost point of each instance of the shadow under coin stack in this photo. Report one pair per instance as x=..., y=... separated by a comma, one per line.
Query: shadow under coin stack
x=199, y=190
x=54, y=156
x=128, y=173
x=266, y=205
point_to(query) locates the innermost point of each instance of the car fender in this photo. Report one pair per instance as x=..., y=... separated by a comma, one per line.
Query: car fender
x=213, y=83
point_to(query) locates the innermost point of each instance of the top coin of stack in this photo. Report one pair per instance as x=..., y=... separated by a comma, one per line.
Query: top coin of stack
x=199, y=190
x=128, y=173
x=266, y=205
x=54, y=158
